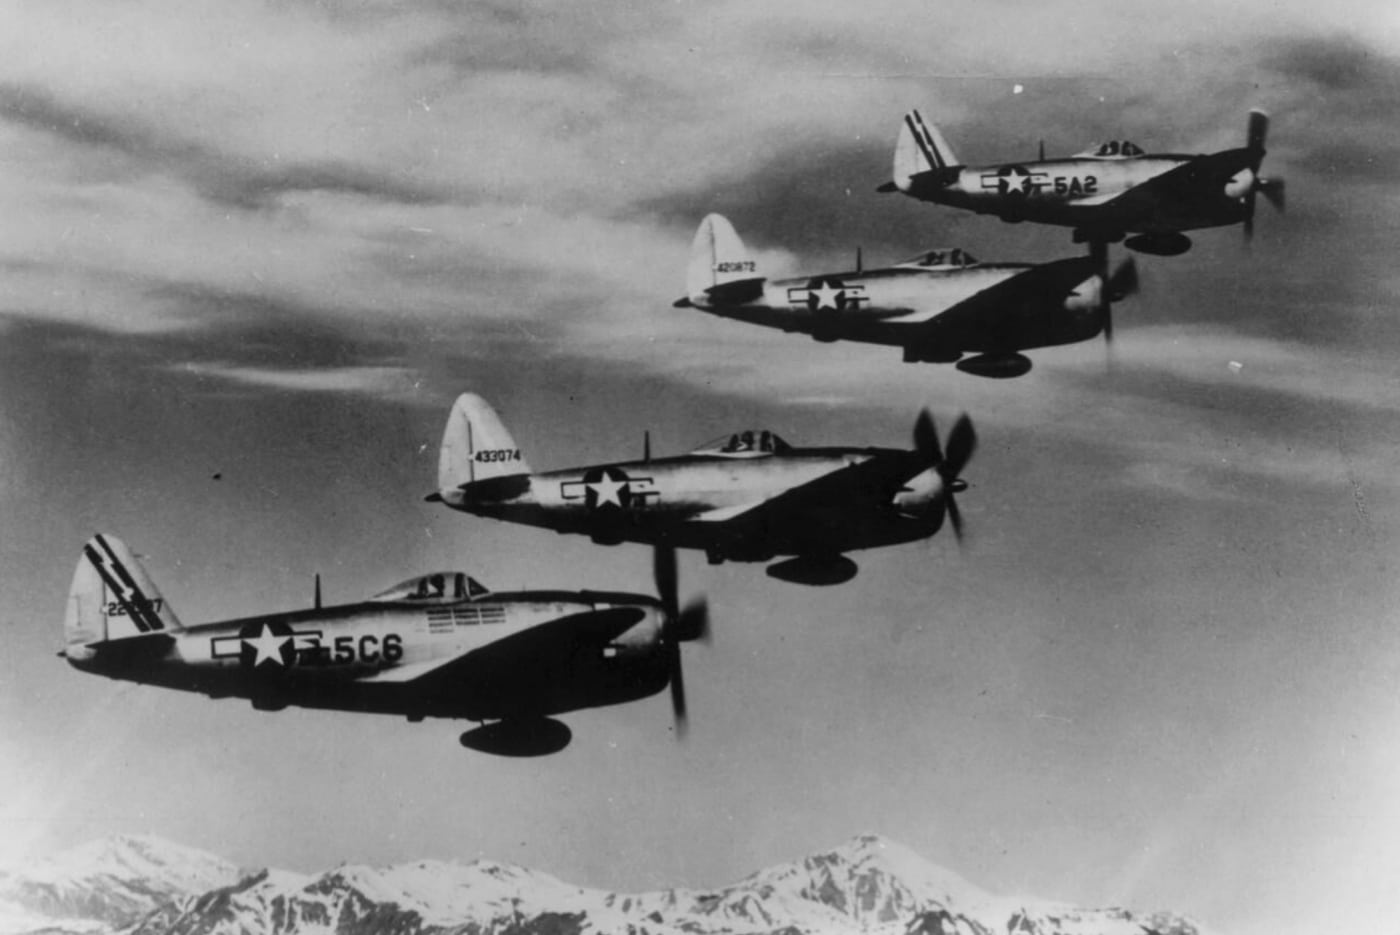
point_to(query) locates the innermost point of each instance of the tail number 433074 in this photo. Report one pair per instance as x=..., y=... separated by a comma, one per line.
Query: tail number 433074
x=497, y=454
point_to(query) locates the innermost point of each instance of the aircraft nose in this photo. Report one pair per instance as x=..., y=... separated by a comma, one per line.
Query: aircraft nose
x=1240, y=184
x=646, y=631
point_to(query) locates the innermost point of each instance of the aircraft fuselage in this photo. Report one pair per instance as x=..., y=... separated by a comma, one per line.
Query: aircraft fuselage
x=531, y=654
x=686, y=501
x=1079, y=192
x=923, y=308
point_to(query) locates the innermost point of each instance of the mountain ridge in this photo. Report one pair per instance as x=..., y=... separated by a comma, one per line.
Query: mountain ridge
x=869, y=885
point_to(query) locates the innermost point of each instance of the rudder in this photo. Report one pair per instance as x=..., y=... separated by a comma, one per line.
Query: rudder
x=921, y=148
x=476, y=446
x=717, y=256
x=112, y=597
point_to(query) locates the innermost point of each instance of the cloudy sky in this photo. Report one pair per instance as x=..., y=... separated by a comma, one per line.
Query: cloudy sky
x=250, y=252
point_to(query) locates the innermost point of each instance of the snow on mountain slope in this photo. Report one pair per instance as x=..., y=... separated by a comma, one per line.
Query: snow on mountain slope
x=425, y=896
x=868, y=886
x=115, y=881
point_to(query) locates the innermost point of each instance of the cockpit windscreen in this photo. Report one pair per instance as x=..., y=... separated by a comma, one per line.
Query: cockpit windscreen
x=440, y=587
x=746, y=444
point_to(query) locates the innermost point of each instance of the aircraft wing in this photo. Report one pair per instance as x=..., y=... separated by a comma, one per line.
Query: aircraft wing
x=1204, y=175
x=996, y=308
x=558, y=639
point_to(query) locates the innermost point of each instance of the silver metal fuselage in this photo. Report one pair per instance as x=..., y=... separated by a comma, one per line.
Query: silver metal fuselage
x=1076, y=193
x=511, y=655
x=912, y=307
x=697, y=501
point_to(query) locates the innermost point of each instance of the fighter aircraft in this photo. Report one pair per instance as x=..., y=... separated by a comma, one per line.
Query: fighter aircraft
x=1104, y=193
x=937, y=306
x=439, y=645
x=747, y=496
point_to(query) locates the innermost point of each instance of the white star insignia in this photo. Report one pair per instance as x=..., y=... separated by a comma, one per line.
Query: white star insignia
x=268, y=646
x=1018, y=181
x=826, y=295
x=607, y=490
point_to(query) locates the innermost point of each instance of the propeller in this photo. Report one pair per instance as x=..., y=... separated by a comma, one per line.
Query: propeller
x=962, y=442
x=1114, y=287
x=1256, y=133
x=682, y=624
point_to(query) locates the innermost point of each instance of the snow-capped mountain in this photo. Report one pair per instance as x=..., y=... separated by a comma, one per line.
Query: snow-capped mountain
x=106, y=884
x=867, y=886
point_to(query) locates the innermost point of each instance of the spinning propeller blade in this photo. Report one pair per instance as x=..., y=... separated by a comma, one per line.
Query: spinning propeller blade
x=1113, y=287
x=962, y=442
x=692, y=623
x=926, y=439
x=1256, y=134
x=1273, y=192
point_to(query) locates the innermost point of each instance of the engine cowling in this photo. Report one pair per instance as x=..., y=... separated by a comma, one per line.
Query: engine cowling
x=920, y=496
x=1240, y=184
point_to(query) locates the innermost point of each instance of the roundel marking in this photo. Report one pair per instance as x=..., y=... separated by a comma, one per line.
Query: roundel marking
x=1015, y=180
x=266, y=646
x=607, y=487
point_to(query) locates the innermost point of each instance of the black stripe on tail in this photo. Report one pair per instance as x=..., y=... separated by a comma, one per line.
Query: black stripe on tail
x=128, y=593
x=925, y=140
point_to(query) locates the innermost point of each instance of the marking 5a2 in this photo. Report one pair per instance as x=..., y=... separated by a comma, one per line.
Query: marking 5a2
x=1015, y=180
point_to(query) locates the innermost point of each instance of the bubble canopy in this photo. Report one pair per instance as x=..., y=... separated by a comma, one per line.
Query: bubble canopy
x=1113, y=149
x=750, y=443
x=439, y=587
x=948, y=257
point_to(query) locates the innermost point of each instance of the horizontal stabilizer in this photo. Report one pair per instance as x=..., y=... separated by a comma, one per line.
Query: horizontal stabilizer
x=736, y=293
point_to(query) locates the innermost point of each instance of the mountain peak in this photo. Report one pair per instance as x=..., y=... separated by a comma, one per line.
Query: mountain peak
x=128, y=855
x=871, y=875
x=117, y=879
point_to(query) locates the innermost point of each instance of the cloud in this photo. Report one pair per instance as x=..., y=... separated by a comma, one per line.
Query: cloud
x=384, y=191
x=1343, y=101
x=381, y=382
x=223, y=178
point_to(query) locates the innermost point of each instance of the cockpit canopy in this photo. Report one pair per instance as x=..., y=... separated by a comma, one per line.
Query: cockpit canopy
x=944, y=257
x=1113, y=149
x=750, y=443
x=440, y=587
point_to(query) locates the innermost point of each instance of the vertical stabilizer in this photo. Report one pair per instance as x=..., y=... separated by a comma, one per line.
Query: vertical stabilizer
x=717, y=256
x=921, y=148
x=112, y=597
x=476, y=446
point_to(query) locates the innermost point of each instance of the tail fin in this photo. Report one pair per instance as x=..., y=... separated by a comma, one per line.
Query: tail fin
x=112, y=598
x=717, y=257
x=921, y=148
x=476, y=446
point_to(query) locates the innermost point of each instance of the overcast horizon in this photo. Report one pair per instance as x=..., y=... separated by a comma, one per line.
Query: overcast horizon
x=252, y=253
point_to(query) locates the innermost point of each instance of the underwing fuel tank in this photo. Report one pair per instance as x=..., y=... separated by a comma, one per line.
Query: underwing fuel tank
x=996, y=366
